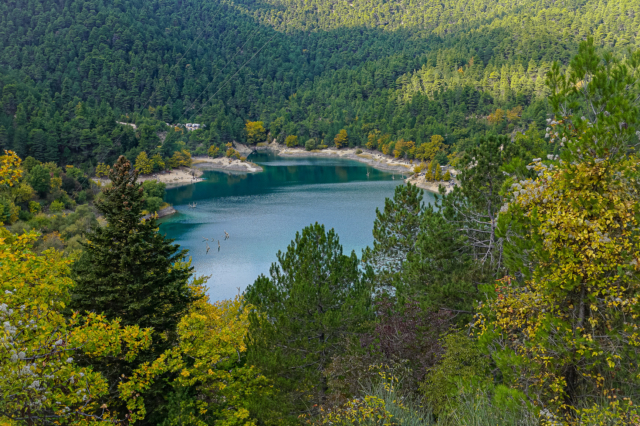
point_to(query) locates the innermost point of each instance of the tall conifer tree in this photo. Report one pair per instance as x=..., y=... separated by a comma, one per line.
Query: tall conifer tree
x=130, y=271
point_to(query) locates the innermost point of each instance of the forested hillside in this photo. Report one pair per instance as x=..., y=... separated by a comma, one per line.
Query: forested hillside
x=399, y=70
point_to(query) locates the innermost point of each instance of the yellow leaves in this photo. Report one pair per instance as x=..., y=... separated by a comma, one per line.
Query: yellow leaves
x=143, y=163
x=208, y=357
x=33, y=293
x=255, y=131
x=583, y=275
x=10, y=170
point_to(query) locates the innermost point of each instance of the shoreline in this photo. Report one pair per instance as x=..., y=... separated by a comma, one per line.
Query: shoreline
x=189, y=175
x=433, y=187
x=375, y=159
x=225, y=164
x=172, y=178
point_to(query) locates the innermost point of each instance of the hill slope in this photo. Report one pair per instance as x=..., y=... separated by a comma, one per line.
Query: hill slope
x=407, y=68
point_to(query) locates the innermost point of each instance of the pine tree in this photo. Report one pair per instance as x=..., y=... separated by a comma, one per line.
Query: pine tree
x=4, y=139
x=315, y=298
x=395, y=231
x=129, y=271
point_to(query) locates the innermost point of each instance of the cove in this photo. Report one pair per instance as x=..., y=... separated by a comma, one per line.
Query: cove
x=262, y=212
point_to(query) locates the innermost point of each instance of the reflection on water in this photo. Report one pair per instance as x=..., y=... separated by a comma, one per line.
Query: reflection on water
x=262, y=212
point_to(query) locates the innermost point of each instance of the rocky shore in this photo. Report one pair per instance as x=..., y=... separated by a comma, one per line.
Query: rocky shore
x=419, y=181
x=167, y=211
x=225, y=164
x=172, y=178
x=372, y=158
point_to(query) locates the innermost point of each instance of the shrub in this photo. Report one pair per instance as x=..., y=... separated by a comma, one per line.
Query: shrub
x=310, y=145
x=56, y=207
x=463, y=362
x=291, y=141
x=153, y=204
x=81, y=198
x=34, y=207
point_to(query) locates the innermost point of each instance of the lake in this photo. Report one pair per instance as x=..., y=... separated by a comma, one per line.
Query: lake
x=262, y=212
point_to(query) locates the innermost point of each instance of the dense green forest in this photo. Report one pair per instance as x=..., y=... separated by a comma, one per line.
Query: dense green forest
x=403, y=70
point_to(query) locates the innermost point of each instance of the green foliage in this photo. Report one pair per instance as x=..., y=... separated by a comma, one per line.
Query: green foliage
x=315, y=298
x=464, y=365
x=500, y=407
x=29, y=163
x=56, y=207
x=603, y=90
x=40, y=179
x=382, y=405
x=395, y=231
x=129, y=271
x=154, y=188
x=34, y=207
x=310, y=145
x=572, y=295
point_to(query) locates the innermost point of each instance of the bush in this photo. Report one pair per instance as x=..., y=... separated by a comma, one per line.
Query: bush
x=34, y=207
x=310, y=145
x=154, y=189
x=81, y=198
x=56, y=207
x=69, y=184
x=24, y=215
x=358, y=151
x=153, y=204
x=463, y=362
x=74, y=172
x=291, y=141
x=381, y=406
x=480, y=409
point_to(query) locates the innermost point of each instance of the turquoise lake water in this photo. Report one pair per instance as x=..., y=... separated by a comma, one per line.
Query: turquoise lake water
x=261, y=213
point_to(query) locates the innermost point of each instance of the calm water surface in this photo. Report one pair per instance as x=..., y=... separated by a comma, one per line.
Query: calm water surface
x=262, y=212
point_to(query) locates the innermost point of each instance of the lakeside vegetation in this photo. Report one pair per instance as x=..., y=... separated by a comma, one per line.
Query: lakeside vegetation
x=514, y=300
